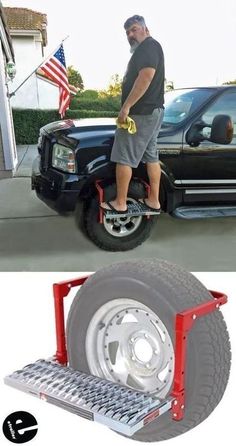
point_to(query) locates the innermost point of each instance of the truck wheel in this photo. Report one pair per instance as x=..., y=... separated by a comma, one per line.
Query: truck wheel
x=121, y=327
x=121, y=234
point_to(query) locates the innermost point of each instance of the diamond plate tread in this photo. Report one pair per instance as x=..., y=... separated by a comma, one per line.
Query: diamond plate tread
x=121, y=408
x=134, y=210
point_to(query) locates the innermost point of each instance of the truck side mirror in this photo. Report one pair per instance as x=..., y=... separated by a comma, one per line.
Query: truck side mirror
x=222, y=130
x=194, y=134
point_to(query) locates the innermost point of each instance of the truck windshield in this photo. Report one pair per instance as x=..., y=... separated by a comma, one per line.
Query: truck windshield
x=180, y=104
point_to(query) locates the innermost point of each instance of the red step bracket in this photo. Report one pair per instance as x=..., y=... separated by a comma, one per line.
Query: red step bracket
x=61, y=290
x=101, y=199
x=183, y=324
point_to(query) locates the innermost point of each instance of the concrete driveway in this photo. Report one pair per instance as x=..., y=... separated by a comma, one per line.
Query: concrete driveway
x=35, y=238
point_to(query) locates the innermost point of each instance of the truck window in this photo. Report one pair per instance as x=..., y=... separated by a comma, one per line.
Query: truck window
x=180, y=104
x=225, y=104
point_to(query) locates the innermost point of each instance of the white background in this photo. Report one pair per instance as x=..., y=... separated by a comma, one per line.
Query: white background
x=27, y=334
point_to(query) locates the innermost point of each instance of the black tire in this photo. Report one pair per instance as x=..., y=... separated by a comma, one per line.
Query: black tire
x=98, y=233
x=165, y=289
x=79, y=213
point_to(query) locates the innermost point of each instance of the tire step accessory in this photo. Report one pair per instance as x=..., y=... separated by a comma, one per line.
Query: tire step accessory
x=133, y=209
x=119, y=407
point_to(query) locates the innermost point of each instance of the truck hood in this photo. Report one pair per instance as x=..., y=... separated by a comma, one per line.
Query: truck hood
x=77, y=129
x=80, y=124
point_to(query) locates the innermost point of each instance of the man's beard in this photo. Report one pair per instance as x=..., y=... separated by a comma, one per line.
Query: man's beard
x=133, y=46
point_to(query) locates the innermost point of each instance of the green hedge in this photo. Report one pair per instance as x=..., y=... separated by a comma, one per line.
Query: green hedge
x=109, y=104
x=28, y=122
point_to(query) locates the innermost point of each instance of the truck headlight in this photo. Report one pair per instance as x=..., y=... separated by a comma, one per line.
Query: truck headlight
x=63, y=158
x=40, y=140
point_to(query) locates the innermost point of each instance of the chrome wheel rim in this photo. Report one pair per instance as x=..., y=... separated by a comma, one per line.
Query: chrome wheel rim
x=127, y=342
x=122, y=226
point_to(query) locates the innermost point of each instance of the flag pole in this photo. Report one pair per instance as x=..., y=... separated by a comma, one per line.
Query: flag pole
x=22, y=83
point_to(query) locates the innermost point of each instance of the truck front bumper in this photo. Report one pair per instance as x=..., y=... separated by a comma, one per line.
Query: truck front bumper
x=59, y=190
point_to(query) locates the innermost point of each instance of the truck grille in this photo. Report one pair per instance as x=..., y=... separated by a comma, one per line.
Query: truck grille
x=45, y=153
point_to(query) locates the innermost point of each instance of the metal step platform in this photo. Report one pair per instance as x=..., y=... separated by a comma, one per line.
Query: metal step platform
x=134, y=210
x=189, y=213
x=118, y=407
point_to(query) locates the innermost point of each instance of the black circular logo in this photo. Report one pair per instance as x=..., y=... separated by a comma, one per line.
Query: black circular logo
x=20, y=427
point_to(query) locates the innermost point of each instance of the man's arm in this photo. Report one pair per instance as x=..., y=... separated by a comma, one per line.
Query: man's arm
x=140, y=87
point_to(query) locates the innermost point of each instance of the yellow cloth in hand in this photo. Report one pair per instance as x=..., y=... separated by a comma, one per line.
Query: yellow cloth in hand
x=129, y=125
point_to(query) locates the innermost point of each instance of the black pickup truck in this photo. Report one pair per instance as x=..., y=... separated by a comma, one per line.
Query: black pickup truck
x=197, y=146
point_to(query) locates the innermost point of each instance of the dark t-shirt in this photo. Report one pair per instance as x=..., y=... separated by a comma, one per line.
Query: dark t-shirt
x=148, y=54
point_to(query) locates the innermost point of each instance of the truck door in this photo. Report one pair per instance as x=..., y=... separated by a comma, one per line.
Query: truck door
x=180, y=106
x=209, y=170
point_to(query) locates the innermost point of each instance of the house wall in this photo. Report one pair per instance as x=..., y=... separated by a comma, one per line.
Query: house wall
x=35, y=93
x=8, y=154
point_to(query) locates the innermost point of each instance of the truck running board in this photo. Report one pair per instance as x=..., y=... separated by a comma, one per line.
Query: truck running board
x=118, y=407
x=189, y=213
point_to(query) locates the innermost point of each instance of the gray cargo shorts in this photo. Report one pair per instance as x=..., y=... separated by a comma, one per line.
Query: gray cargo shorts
x=141, y=146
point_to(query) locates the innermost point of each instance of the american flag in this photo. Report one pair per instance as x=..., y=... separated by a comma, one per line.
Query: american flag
x=55, y=69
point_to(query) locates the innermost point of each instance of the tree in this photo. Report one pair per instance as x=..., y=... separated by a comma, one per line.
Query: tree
x=114, y=88
x=89, y=94
x=230, y=82
x=75, y=78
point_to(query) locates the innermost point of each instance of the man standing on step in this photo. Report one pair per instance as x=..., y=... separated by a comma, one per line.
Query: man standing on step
x=143, y=101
